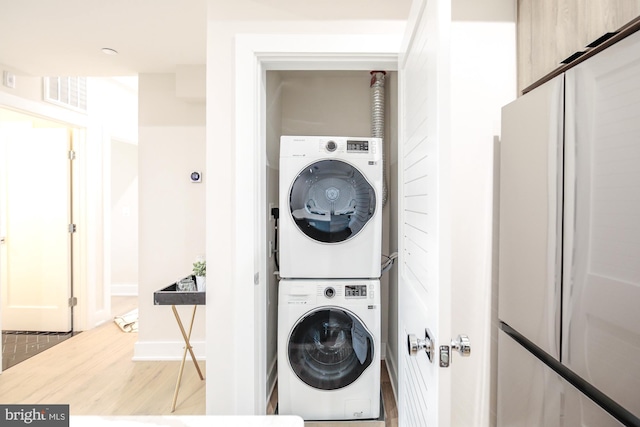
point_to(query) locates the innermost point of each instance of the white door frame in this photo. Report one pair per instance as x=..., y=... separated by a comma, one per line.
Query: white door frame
x=255, y=54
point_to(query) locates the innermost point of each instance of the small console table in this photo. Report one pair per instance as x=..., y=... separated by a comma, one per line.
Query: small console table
x=171, y=296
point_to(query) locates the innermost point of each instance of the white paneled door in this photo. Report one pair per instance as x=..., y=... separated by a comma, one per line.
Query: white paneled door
x=425, y=218
x=34, y=224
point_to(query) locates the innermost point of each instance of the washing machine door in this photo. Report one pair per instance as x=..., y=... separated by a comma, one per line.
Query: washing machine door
x=329, y=348
x=331, y=201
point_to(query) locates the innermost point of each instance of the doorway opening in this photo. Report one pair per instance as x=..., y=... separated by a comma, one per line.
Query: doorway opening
x=37, y=229
x=101, y=138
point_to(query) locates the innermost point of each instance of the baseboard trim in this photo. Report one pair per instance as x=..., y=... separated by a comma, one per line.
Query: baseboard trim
x=166, y=350
x=392, y=369
x=272, y=377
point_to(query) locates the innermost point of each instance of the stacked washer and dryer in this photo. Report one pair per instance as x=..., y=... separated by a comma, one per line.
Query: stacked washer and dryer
x=329, y=293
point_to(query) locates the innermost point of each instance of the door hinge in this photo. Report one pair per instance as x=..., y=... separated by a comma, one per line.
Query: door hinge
x=73, y=301
x=72, y=155
x=72, y=228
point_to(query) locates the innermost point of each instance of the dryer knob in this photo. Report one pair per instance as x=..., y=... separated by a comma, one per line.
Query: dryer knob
x=332, y=146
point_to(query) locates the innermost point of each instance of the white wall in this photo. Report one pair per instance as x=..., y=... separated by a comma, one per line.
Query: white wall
x=326, y=103
x=171, y=145
x=124, y=218
x=26, y=86
x=483, y=80
x=115, y=101
x=112, y=108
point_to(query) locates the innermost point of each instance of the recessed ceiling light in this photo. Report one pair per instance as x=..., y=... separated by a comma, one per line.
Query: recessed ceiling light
x=109, y=51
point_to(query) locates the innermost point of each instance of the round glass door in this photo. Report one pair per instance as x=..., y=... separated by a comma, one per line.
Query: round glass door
x=330, y=348
x=331, y=201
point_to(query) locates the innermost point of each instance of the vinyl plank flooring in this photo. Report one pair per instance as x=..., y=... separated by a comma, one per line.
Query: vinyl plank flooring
x=388, y=397
x=94, y=373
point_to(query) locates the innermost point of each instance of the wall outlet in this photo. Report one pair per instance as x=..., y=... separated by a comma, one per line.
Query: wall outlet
x=9, y=79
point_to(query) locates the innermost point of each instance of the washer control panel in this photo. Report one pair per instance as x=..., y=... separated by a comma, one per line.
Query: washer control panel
x=355, y=291
x=343, y=291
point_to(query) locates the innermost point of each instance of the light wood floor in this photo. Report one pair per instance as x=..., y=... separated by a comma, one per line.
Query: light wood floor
x=93, y=373
x=389, y=399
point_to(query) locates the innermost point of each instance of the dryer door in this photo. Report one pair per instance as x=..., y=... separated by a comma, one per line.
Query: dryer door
x=329, y=348
x=331, y=201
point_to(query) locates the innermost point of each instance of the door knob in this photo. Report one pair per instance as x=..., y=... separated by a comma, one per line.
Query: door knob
x=462, y=345
x=415, y=344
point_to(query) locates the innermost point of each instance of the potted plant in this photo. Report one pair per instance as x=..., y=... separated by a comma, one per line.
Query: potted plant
x=200, y=271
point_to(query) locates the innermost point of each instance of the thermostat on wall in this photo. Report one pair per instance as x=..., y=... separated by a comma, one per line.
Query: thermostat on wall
x=196, y=176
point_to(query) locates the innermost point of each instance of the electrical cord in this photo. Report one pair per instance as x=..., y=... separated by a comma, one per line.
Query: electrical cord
x=390, y=260
x=275, y=212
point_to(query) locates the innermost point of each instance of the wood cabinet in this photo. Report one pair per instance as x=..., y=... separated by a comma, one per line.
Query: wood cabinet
x=551, y=30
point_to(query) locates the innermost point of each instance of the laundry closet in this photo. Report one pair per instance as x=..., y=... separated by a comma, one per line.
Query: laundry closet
x=328, y=103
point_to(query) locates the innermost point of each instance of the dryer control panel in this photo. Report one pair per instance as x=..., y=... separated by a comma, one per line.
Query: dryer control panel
x=357, y=146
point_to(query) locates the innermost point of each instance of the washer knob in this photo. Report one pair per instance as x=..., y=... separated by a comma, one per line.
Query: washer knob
x=329, y=292
x=331, y=146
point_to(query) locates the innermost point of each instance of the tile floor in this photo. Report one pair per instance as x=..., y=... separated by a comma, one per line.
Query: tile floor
x=18, y=346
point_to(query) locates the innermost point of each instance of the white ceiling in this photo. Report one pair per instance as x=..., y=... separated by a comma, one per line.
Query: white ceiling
x=65, y=37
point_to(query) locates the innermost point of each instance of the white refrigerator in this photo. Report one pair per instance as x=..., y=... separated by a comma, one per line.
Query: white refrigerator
x=569, y=267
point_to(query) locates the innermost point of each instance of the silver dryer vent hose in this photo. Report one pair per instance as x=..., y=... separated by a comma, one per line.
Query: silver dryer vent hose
x=377, y=121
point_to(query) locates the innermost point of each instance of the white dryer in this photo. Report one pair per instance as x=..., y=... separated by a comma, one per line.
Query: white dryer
x=329, y=349
x=330, y=207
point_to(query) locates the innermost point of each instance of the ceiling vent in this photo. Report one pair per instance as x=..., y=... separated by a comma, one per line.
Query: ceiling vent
x=69, y=92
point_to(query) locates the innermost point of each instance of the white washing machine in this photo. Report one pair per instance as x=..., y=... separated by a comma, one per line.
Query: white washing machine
x=329, y=349
x=330, y=207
